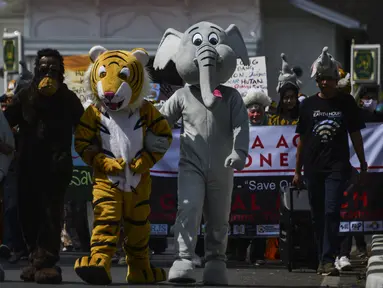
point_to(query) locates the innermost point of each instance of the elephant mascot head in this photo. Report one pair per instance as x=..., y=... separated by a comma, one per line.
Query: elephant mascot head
x=205, y=56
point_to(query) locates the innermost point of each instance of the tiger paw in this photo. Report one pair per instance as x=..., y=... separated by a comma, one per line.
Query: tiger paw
x=94, y=270
x=145, y=275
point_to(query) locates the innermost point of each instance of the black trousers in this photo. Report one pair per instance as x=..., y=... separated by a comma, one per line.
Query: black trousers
x=346, y=245
x=325, y=195
x=41, y=204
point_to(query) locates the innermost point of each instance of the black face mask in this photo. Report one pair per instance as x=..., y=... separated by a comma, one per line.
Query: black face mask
x=47, y=76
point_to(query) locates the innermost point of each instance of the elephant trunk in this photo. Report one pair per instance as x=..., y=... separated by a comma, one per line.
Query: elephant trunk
x=207, y=63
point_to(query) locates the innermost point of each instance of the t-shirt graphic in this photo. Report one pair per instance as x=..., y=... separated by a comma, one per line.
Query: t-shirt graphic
x=326, y=129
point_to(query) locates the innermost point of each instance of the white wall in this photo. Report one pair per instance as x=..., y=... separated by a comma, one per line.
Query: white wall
x=74, y=27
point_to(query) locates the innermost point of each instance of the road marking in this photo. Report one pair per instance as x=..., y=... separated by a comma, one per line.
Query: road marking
x=330, y=281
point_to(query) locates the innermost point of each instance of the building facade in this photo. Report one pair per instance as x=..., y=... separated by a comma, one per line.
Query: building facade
x=268, y=27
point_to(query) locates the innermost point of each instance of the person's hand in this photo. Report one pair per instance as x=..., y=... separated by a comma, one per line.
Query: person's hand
x=297, y=180
x=5, y=148
x=362, y=179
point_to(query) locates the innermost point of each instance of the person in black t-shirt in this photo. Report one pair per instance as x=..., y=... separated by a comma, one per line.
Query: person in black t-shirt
x=325, y=121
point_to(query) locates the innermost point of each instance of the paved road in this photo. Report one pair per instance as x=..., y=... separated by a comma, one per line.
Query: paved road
x=271, y=275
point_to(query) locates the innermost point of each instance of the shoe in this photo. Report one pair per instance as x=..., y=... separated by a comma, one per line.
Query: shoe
x=336, y=263
x=122, y=261
x=344, y=264
x=362, y=255
x=197, y=261
x=320, y=269
x=5, y=252
x=68, y=249
x=260, y=262
x=17, y=256
x=329, y=269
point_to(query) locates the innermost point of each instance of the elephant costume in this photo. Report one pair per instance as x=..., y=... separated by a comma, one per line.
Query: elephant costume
x=215, y=140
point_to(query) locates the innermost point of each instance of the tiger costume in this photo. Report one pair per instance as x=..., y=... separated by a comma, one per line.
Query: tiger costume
x=119, y=122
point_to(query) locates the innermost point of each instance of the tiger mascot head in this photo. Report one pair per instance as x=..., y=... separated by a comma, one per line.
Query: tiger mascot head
x=118, y=79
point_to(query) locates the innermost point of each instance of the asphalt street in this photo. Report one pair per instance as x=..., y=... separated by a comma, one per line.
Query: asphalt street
x=272, y=274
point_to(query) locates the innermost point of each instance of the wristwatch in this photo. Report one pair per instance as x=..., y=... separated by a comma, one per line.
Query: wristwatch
x=364, y=167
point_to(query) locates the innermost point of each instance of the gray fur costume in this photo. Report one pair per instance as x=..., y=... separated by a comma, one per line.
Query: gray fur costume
x=214, y=143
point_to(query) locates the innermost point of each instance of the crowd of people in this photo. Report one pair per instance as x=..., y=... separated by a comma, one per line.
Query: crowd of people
x=25, y=212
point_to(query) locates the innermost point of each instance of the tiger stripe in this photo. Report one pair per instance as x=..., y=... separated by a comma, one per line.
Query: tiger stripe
x=119, y=198
x=136, y=77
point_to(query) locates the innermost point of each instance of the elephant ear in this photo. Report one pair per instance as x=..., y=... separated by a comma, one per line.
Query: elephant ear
x=168, y=48
x=237, y=43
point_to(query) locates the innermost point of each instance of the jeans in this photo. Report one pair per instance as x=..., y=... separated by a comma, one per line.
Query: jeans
x=325, y=195
x=346, y=245
x=13, y=237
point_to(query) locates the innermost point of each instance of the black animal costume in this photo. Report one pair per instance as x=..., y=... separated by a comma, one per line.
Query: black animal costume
x=47, y=113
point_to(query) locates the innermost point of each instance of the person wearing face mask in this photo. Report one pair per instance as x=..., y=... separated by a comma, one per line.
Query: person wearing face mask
x=288, y=89
x=47, y=113
x=326, y=120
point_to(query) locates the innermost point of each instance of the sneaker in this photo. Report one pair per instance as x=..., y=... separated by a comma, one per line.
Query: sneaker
x=115, y=259
x=260, y=262
x=16, y=256
x=197, y=261
x=320, y=269
x=344, y=264
x=362, y=255
x=69, y=248
x=5, y=252
x=329, y=269
x=122, y=261
x=336, y=263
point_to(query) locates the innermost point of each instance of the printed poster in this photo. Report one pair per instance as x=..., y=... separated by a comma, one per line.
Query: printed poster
x=154, y=92
x=252, y=76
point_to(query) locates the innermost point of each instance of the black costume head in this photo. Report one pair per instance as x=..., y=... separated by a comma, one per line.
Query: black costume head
x=49, y=71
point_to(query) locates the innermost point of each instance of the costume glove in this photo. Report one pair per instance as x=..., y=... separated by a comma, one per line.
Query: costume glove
x=236, y=160
x=141, y=164
x=109, y=166
x=154, y=143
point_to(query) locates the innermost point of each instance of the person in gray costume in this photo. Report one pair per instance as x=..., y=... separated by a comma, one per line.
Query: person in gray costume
x=215, y=140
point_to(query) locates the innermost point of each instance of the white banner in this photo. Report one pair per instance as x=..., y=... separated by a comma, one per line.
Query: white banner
x=272, y=152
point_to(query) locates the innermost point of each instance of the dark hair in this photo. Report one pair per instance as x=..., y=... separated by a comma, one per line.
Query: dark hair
x=294, y=113
x=48, y=52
